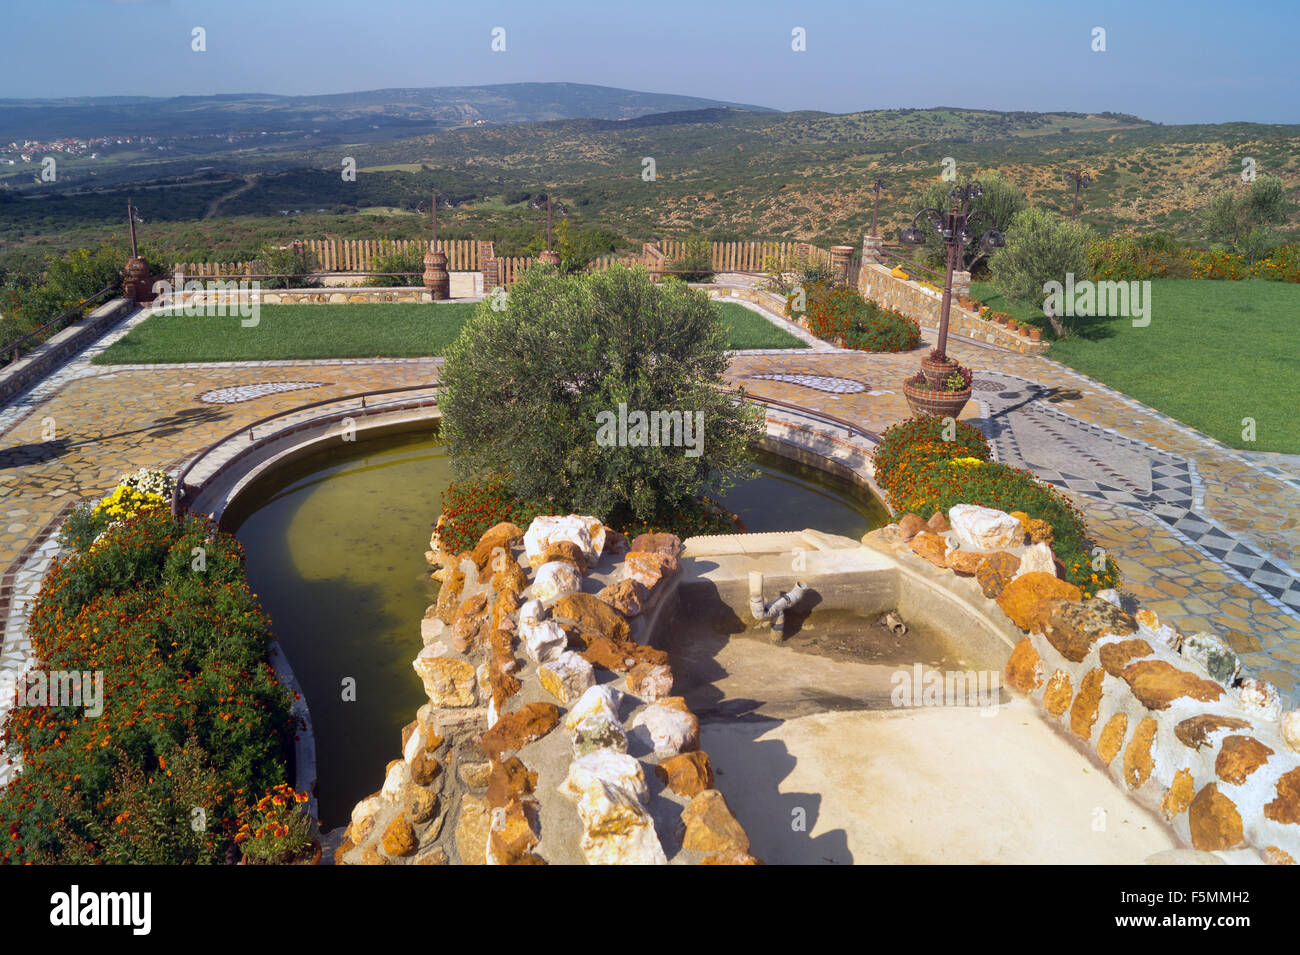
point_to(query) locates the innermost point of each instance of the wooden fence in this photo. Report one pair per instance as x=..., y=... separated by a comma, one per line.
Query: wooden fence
x=359, y=255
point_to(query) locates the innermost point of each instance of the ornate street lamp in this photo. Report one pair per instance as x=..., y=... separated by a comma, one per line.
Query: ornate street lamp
x=957, y=227
x=877, y=187
x=436, y=279
x=138, y=286
x=1081, y=180
x=550, y=256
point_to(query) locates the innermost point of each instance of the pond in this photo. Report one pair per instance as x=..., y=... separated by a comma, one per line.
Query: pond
x=335, y=547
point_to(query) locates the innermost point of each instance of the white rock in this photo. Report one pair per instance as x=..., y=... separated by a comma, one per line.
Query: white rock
x=609, y=767
x=587, y=532
x=1036, y=558
x=1156, y=633
x=492, y=714
x=617, y=829
x=1110, y=595
x=415, y=745
x=543, y=641
x=555, y=580
x=1209, y=652
x=598, y=732
x=1259, y=698
x=364, y=811
x=666, y=729
x=597, y=700
x=531, y=612
x=431, y=629
x=395, y=782
x=566, y=677
x=983, y=528
x=1291, y=729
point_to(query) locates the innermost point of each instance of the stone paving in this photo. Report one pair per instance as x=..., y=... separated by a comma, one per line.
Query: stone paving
x=1204, y=535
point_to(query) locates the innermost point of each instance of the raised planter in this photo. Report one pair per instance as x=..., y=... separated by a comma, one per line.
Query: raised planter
x=939, y=404
x=937, y=372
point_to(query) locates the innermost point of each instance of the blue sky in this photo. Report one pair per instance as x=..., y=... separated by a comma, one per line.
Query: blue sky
x=1172, y=62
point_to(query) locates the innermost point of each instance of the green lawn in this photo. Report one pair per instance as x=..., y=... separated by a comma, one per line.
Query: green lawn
x=348, y=331
x=748, y=329
x=1213, y=354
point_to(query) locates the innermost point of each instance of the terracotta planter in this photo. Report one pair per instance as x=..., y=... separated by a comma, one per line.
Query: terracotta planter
x=1011, y=324
x=1035, y=335
x=937, y=404
x=937, y=372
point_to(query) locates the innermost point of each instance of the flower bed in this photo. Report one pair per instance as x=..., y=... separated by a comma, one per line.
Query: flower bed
x=922, y=473
x=193, y=719
x=842, y=314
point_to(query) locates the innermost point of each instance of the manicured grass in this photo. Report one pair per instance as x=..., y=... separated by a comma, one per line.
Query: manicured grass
x=748, y=329
x=348, y=331
x=1214, y=353
x=294, y=331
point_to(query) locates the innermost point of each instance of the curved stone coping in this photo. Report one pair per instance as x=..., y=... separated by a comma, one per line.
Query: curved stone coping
x=229, y=468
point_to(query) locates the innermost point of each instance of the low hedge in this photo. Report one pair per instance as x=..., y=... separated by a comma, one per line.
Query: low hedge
x=194, y=720
x=839, y=313
x=921, y=474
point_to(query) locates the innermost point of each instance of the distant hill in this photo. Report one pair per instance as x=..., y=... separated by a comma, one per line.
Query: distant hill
x=395, y=111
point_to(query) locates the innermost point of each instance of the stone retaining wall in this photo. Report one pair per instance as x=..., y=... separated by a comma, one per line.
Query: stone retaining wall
x=876, y=282
x=35, y=366
x=576, y=753
x=1169, y=717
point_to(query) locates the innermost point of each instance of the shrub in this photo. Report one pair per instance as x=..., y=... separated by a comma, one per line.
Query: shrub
x=1040, y=248
x=695, y=263
x=938, y=484
x=837, y=313
x=193, y=715
x=409, y=259
x=471, y=506
x=289, y=266
x=531, y=394
x=910, y=445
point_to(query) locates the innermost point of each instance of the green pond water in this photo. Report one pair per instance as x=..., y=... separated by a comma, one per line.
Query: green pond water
x=335, y=552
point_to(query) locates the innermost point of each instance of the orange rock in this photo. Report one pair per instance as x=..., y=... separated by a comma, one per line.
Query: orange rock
x=514, y=730
x=1025, y=667
x=1029, y=598
x=1115, y=656
x=1073, y=628
x=513, y=836
x=1214, y=820
x=424, y=768
x=687, y=774
x=509, y=780
x=469, y=628
x=567, y=551
x=909, y=525
x=1058, y=693
x=592, y=613
x=608, y=655
x=507, y=602
x=647, y=568
x=995, y=572
x=1083, y=713
x=628, y=597
x=710, y=825
x=1194, y=732
x=938, y=523
x=669, y=544
x=964, y=562
x=449, y=594
x=1112, y=738
x=1239, y=756
x=399, y=838
x=730, y=858
x=511, y=577
x=496, y=541
x=1137, y=758
x=1179, y=796
x=650, y=681
x=930, y=546
x=1286, y=806
x=1274, y=855
x=1156, y=684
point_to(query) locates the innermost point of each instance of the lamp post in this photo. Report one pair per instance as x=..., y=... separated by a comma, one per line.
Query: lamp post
x=550, y=256
x=436, y=279
x=957, y=226
x=1081, y=180
x=877, y=187
x=137, y=285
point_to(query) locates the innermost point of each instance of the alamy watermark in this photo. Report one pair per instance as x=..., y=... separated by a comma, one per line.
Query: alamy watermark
x=211, y=298
x=921, y=687
x=1089, y=298
x=637, y=429
x=56, y=688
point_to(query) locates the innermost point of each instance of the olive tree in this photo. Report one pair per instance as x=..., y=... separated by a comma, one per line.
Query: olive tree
x=1041, y=248
x=1000, y=201
x=599, y=393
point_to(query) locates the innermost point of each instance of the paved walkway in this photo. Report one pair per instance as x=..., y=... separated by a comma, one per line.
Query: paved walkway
x=1204, y=535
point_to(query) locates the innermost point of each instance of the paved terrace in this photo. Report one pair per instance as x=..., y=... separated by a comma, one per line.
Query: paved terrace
x=1204, y=535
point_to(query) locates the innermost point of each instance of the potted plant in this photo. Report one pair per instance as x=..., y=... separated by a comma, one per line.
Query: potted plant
x=937, y=368
x=278, y=830
x=946, y=400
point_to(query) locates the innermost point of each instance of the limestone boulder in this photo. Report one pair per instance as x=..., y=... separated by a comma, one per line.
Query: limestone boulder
x=931, y=547
x=1259, y=699
x=983, y=528
x=1029, y=599
x=648, y=569
x=598, y=732
x=1036, y=559
x=1156, y=633
x=554, y=580
x=909, y=525
x=1209, y=652
x=587, y=532
x=447, y=681
x=627, y=596
x=665, y=728
x=710, y=826
x=1073, y=627
x=669, y=544
x=607, y=767
x=566, y=677
x=601, y=700
x=650, y=681
x=687, y=774
x=617, y=829
x=515, y=730
x=1290, y=727
x=590, y=612
x=543, y=642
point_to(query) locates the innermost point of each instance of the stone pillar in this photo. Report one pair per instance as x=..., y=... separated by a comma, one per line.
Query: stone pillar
x=960, y=284
x=873, y=248
x=436, y=279
x=487, y=264
x=841, y=259
x=138, y=285
x=801, y=253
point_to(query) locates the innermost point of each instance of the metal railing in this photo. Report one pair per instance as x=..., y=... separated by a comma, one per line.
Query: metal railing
x=65, y=318
x=179, y=492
